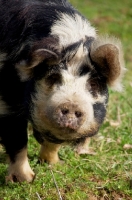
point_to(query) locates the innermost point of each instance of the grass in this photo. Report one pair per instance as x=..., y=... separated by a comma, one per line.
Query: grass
x=108, y=174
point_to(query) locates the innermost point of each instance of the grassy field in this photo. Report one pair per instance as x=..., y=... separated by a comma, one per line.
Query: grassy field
x=108, y=174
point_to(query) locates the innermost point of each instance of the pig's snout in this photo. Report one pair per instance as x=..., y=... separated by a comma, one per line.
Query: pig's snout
x=69, y=116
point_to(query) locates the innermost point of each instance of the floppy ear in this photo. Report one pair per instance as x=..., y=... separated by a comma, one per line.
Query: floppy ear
x=106, y=54
x=44, y=50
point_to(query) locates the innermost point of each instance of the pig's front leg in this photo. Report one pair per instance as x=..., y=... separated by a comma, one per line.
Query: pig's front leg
x=49, y=152
x=20, y=170
x=13, y=131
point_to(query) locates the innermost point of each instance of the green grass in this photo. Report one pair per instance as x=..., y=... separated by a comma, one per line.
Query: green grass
x=108, y=174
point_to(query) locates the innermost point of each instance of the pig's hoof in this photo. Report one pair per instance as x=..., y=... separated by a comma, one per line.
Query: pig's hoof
x=20, y=178
x=61, y=162
x=20, y=170
x=49, y=161
x=50, y=158
x=81, y=150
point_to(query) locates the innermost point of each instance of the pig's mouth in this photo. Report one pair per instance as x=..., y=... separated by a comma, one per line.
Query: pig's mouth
x=68, y=135
x=69, y=131
x=61, y=132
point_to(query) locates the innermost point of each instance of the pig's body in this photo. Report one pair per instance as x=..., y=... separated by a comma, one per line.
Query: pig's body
x=54, y=71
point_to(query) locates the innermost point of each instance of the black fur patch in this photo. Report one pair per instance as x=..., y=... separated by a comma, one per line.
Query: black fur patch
x=85, y=69
x=99, y=112
x=69, y=52
x=40, y=137
x=13, y=132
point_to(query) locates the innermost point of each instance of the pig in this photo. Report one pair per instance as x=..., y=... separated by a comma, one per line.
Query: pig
x=55, y=71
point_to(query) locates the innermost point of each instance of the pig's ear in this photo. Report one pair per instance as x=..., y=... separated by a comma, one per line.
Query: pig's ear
x=107, y=56
x=42, y=51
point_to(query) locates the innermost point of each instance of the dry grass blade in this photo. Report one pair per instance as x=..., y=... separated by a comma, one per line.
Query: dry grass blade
x=38, y=196
x=59, y=194
x=127, y=146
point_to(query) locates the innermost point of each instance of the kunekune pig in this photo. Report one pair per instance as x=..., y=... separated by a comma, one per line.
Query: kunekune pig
x=54, y=72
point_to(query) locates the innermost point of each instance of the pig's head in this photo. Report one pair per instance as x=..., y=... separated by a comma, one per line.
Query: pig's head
x=70, y=92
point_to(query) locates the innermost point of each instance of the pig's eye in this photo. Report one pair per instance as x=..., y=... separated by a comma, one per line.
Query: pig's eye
x=84, y=70
x=93, y=86
x=53, y=79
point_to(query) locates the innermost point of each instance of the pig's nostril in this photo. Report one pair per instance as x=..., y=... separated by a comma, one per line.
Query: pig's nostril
x=65, y=111
x=78, y=114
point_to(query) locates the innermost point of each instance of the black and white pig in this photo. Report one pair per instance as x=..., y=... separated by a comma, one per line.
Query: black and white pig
x=54, y=72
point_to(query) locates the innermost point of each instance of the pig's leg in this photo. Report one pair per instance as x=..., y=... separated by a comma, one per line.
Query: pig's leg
x=83, y=147
x=49, y=152
x=14, y=138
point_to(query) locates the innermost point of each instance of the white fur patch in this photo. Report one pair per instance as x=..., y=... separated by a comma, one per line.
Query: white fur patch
x=23, y=71
x=71, y=29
